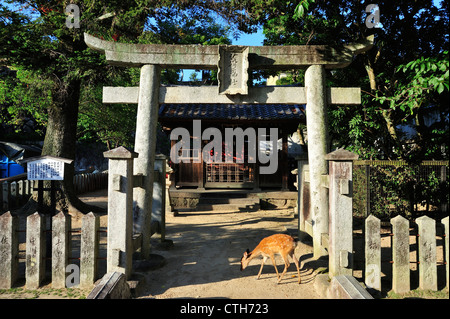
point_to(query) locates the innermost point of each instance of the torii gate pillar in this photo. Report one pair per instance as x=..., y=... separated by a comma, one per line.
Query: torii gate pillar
x=145, y=145
x=316, y=121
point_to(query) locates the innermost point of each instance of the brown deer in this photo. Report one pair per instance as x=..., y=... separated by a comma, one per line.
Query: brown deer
x=281, y=244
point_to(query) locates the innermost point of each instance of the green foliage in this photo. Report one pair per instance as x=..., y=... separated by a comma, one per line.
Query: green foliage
x=302, y=8
x=34, y=38
x=409, y=61
x=172, y=26
x=25, y=95
x=424, y=77
x=395, y=93
x=408, y=190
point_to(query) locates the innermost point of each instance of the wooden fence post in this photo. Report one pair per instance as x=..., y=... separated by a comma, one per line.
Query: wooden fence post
x=9, y=250
x=400, y=255
x=89, y=249
x=61, y=226
x=373, y=253
x=427, y=253
x=35, y=251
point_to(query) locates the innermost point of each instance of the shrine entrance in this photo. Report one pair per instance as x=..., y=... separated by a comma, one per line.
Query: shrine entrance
x=233, y=64
x=246, y=139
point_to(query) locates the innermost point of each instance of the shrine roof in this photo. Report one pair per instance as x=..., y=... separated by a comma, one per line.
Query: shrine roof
x=247, y=112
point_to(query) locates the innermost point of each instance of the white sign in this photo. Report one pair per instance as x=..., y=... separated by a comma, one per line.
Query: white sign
x=45, y=170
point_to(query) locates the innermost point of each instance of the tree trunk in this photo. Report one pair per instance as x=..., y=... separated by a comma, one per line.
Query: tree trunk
x=371, y=74
x=60, y=141
x=387, y=113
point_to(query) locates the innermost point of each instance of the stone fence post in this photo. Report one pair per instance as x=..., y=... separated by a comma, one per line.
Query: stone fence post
x=303, y=198
x=35, y=251
x=340, y=183
x=444, y=222
x=400, y=255
x=372, y=253
x=120, y=210
x=90, y=225
x=61, y=248
x=159, y=196
x=427, y=253
x=9, y=250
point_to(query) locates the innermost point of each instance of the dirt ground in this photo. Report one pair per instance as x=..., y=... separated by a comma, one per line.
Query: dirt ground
x=204, y=261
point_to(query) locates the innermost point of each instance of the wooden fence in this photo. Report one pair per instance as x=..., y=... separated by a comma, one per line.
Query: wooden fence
x=15, y=191
x=402, y=235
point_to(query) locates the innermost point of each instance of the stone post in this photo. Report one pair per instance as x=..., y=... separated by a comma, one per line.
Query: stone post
x=9, y=250
x=316, y=121
x=145, y=144
x=445, y=223
x=35, y=251
x=6, y=198
x=303, y=197
x=373, y=253
x=61, y=226
x=90, y=224
x=21, y=191
x=427, y=253
x=159, y=195
x=400, y=255
x=169, y=172
x=120, y=210
x=14, y=195
x=340, y=185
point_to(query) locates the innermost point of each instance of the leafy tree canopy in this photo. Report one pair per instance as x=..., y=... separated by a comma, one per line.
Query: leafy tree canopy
x=404, y=78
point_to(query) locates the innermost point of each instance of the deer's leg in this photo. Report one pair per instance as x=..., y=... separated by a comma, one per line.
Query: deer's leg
x=296, y=265
x=262, y=265
x=286, y=266
x=274, y=265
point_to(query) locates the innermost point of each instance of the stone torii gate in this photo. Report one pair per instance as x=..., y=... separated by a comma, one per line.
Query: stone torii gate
x=233, y=64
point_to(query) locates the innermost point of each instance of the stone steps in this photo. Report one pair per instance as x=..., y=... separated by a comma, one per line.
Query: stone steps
x=222, y=201
x=228, y=207
x=225, y=200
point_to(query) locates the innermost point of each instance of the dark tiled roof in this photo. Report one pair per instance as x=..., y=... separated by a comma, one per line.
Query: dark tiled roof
x=232, y=111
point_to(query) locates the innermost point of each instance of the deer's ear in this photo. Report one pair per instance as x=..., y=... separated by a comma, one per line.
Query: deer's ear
x=247, y=253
